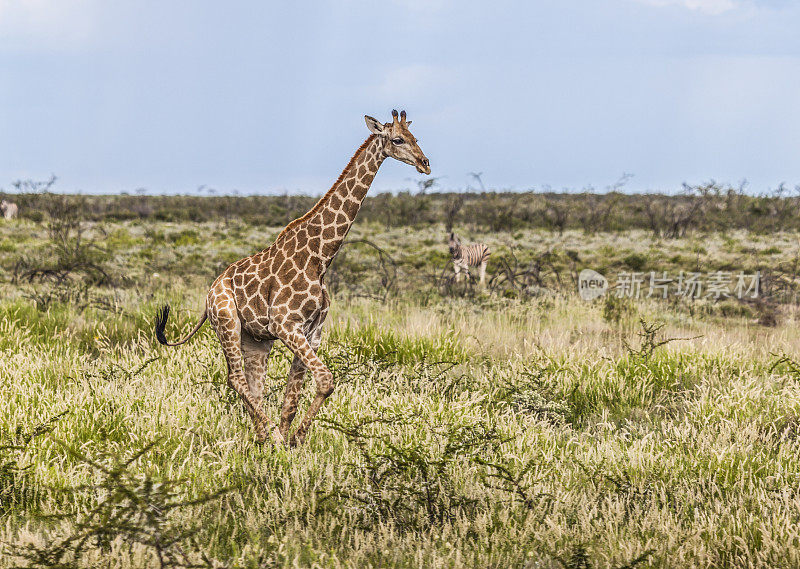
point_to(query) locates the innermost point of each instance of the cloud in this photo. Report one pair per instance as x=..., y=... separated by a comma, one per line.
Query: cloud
x=707, y=6
x=424, y=6
x=36, y=24
x=413, y=80
x=720, y=6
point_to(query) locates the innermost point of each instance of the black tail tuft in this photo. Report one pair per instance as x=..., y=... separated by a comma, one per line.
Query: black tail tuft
x=161, y=324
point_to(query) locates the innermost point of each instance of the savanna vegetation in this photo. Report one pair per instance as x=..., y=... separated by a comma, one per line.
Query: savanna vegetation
x=516, y=426
x=709, y=207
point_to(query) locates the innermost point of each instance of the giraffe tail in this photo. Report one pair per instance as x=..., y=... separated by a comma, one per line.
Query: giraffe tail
x=161, y=324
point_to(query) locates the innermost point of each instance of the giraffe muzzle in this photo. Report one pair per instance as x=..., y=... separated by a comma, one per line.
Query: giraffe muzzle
x=424, y=166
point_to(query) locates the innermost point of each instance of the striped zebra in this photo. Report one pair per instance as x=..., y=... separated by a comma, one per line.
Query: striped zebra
x=466, y=256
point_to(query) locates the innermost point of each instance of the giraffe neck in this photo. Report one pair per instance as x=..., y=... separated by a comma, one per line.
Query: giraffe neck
x=335, y=212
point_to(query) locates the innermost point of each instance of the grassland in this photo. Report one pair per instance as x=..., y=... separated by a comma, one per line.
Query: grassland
x=518, y=427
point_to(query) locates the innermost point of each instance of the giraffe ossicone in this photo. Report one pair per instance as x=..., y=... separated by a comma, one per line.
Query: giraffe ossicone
x=279, y=293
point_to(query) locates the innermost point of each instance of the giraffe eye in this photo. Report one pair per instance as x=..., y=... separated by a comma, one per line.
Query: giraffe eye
x=398, y=141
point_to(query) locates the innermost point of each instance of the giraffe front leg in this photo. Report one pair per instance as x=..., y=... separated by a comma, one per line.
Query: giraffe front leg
x=303, y=350
x=325, y=386
x=294, y=384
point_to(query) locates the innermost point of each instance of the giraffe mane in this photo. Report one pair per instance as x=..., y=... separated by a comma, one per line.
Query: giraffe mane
x=321, y=201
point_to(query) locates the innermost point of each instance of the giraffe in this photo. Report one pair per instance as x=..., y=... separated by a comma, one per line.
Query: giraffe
x=279, y=293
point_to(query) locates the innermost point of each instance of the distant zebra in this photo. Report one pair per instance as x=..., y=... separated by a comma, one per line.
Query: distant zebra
x=466, y=256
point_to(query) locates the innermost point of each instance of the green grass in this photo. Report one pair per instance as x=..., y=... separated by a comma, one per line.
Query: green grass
x=463, y=432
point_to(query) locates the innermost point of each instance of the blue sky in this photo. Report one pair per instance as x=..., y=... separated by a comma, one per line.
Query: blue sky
x=269, y=96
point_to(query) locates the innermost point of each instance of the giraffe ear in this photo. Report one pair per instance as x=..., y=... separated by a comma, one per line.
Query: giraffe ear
x=408, y=123
x=374, y=126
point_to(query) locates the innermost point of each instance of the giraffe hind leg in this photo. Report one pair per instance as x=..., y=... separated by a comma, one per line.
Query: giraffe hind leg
x=229, y=331
x=256, y=353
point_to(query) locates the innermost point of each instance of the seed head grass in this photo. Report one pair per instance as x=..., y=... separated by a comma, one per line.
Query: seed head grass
x=463, y=432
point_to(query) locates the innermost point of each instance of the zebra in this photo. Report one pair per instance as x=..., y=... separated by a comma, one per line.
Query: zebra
x=466, y=256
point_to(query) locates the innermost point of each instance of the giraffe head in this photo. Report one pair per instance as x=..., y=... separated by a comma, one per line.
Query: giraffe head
x=399, y=143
